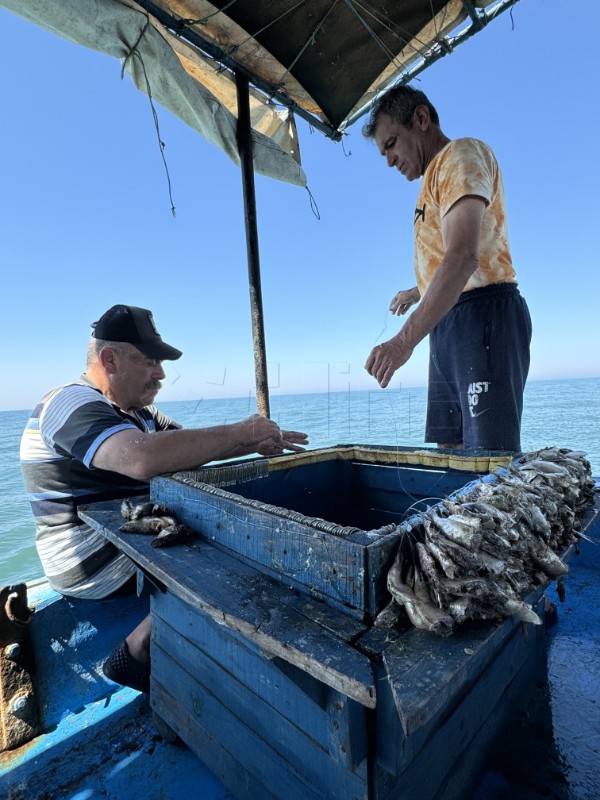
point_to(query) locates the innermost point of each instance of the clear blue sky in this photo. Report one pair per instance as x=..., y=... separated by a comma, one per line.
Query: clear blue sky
x=85, y=217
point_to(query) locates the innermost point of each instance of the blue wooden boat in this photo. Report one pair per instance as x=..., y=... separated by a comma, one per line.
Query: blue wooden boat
x=270, y=678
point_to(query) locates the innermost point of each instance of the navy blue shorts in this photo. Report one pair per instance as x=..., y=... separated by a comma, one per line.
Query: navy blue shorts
x=478, y=365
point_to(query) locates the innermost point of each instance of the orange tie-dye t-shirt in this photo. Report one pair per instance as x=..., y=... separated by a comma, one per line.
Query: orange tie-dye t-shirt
x=463, y=167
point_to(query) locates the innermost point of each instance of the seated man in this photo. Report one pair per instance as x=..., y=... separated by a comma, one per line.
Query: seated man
x=100, y=438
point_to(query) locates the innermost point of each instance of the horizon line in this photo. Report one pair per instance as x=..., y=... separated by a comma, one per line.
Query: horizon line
x=252, y=392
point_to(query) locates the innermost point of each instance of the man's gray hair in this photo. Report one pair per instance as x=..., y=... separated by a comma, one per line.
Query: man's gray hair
x=95, y=346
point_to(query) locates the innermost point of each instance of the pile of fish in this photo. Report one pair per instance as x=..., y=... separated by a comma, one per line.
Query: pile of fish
x=153, y=519
x=476, y=556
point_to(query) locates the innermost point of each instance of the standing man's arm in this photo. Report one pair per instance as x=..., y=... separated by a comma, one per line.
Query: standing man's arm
x=460, y=229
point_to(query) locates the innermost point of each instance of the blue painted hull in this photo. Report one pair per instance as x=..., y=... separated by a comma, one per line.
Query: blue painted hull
x=99, y=740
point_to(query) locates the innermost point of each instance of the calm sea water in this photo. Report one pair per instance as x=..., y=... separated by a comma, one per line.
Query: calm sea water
x=563, y=413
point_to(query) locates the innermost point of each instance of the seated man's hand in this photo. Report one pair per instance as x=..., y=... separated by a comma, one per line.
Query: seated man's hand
x=288, y=440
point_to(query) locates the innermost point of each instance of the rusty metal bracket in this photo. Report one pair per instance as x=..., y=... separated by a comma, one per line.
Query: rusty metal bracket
x=19, y=717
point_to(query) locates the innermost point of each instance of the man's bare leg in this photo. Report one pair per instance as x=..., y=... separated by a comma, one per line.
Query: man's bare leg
x=138, y=642
x=129, y=662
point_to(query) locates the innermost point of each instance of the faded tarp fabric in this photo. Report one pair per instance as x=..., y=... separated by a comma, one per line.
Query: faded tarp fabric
x=115, y=27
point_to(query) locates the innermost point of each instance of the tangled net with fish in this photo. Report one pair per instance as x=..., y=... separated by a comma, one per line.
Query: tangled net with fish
x=474, y=557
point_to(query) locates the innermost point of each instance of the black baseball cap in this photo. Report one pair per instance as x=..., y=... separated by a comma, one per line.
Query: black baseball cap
x=136, y=326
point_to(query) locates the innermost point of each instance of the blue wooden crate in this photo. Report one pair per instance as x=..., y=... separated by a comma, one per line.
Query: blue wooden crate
x=258, y=701
x=264, y=726
x=284, y=697
x=324, y=521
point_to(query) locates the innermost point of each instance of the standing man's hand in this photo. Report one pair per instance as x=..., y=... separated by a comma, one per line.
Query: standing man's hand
x=403, y=300
x=386, y=358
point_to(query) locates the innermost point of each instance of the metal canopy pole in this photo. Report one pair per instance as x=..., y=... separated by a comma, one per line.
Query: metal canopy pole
x=244, y=142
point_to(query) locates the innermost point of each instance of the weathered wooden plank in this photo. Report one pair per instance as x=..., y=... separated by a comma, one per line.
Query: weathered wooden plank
x=455, y=744
x=262, y=696
x=106, y=515
x=410, y=482
x=391, y=492
x=390, y=747
x=482, y=462
x=342, y=625
x=321, y=489
x=211, y=751
x=379, y=558
x=218, y=653
x=427, y=674
x=348, y=741
x=326, y=565
x=271, y=750
x=242, y=598
x=197, y=643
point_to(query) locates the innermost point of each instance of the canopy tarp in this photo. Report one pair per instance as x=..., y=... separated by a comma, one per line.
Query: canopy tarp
x=176, y=76
x=326, y=60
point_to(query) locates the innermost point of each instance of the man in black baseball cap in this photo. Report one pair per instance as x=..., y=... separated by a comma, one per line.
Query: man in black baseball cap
x=100, y=438
x=136, y=326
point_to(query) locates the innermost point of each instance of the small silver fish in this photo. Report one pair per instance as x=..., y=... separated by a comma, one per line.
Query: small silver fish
x=148, y=525
x=545, y=558
x=428, y=565
x=171, y=535
x=432, y=617
x=420, y=610
x=132, y=511
x=389, y=616
x=450, y=569
x=514, y=607
x=461, y=529
x=460, y=608
x=470, y=587
x=546, y=467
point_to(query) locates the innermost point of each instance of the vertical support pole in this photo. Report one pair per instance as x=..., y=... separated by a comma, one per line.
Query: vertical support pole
x=244, y=142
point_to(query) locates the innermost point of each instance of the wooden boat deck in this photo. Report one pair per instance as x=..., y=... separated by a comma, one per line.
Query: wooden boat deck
x=100, y=740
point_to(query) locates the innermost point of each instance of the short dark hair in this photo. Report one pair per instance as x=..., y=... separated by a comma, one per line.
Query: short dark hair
x=399, y=104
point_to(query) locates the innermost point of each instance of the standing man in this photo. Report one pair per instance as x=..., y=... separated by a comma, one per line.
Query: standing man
x=100, y=438
x=469, y=304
